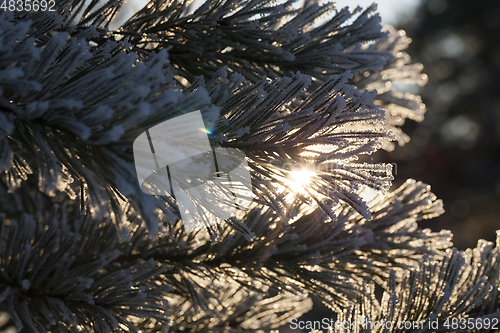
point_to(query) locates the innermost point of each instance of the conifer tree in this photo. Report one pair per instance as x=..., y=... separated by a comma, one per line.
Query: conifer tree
x=296, y=87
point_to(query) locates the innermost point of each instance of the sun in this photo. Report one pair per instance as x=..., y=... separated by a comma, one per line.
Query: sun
x=300, y=179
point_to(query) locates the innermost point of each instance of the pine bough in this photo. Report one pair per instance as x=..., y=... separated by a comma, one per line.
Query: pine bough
x=82, y=249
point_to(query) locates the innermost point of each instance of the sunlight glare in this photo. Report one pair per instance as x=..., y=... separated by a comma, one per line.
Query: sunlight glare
x=300, y=179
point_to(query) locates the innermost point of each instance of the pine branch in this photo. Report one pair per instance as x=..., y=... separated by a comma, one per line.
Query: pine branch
x=293, y=257
x=48, y=283
x=257, y=38
x=278, y=123
x=336, y=254
x=437, y=293
x=398, y=106
x=263, y=119
x=63, y=117
x=296, y=94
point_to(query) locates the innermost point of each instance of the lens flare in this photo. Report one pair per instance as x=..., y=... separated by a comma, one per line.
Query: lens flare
x=206, y=130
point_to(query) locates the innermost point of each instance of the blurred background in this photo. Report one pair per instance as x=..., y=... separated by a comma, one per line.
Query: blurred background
x=456, y=149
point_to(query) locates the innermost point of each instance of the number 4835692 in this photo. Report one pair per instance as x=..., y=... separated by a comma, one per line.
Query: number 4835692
x=28, y=5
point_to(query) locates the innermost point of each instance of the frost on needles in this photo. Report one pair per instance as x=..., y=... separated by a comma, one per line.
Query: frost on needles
x=83, y=249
